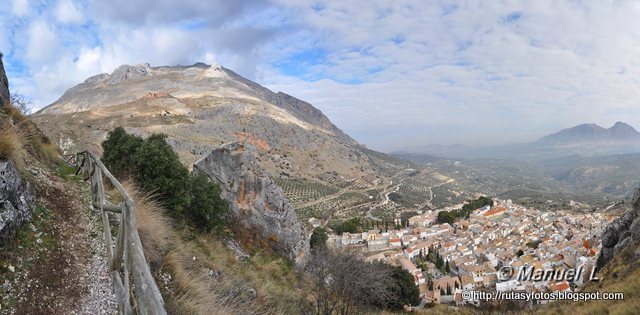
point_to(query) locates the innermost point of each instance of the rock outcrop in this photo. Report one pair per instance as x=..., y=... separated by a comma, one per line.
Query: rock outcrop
x=622, y=235
x=127, y=72
x=4, y=85
x=255, y=199
x=17, y=201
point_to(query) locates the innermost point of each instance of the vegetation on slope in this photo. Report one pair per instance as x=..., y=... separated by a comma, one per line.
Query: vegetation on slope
x=465, y=212
x=196, y=271
x=154, y=166
x=20, y=136
x=318, y=238
x=56, y=262
x=620, y=275
x=213, y=273
x=341, y=283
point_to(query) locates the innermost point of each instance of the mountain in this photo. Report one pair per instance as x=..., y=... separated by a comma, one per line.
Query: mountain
x=194, y=82
x=323, y=171
x=199, y=107
x=589, y=133
x=54, y=258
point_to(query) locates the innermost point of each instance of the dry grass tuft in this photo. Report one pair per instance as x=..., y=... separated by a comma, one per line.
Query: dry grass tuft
x=210, y=280
x=12, y=144
x=154, y=228
x=622, y=274
x=206, y=277
x=197, y=294
x=13, y=112
x=33, y=140
x=45, y=150
x=112, y=193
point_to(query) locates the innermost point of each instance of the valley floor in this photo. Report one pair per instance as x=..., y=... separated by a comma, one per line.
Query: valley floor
x=57, y=264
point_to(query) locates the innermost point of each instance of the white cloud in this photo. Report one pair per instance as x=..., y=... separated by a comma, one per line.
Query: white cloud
x=503, y=70
x=53, y=52
x=42, y=42
x=67, y=12
x=20, y=7
x=387, y=72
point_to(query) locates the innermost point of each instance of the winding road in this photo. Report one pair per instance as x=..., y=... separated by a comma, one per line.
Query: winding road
x=428, y=201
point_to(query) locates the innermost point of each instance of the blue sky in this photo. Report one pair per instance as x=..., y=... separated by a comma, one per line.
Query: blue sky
x=392, y=74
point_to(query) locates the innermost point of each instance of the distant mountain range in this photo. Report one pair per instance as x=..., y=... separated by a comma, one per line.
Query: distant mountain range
x=620, y=132
x=581, y=140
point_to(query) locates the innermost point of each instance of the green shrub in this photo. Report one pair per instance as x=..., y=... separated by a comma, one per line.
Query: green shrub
x=207, y=209
x=158, y=169
x=318, y=238
x=119, y=148
x=403, y=289
x=155, y=167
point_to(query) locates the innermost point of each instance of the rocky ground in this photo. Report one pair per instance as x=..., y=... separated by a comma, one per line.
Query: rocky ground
x=57, y=264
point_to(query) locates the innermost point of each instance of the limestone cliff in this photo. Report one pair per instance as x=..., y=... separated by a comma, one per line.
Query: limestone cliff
x=17, y=200
x=4, y=84
x=254, y=199
x=622, y=235
x=17, y=197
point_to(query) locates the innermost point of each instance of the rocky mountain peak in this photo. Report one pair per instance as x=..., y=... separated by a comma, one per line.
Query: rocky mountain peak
x=215, y=71
x=128, y=83
x=623, y=130
x=127, y=72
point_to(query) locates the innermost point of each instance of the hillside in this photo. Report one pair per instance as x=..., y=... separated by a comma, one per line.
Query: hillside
x=323, y=172
x=200, y=106
x=53, y=258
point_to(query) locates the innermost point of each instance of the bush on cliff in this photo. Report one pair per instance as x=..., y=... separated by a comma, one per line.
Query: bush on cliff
x=318, y=238
x=154, y=166
x=119, y=148
x=158, y=168
x=206, y=209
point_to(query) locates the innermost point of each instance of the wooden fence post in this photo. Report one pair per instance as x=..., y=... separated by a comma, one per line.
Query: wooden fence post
x=128, y=251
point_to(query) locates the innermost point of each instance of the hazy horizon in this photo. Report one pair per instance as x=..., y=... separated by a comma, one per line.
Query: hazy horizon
x=391, y=75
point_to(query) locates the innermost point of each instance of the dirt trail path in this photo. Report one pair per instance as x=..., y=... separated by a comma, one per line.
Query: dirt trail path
x=59, y=260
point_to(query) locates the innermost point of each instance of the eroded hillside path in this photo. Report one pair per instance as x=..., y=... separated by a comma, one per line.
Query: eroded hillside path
x=60, y=259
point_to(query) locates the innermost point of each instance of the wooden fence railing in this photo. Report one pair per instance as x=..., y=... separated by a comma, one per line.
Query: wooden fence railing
x=126, y=256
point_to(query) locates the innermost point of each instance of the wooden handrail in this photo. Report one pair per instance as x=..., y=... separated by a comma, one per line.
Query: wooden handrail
x=126, y=258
